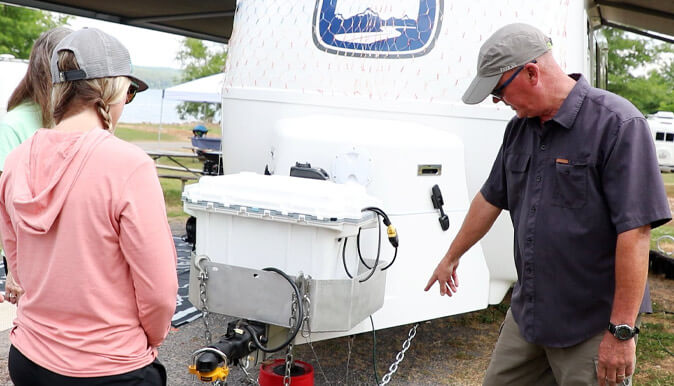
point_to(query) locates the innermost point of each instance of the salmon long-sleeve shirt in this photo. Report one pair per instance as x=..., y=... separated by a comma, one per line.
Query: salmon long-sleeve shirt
x=84, y=228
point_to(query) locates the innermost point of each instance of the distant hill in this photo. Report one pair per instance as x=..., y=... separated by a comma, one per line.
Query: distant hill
x=158, y=77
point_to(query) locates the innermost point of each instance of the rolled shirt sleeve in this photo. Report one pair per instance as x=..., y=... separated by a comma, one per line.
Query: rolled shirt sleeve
x=631, y=171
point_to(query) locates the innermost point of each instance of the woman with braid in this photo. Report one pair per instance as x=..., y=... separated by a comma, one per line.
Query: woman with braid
x=84, y=227
x=28, y=110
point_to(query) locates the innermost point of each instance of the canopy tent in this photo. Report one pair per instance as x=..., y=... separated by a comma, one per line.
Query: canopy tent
x=207, y=89
x=203, y=19
x=214, y=19
x=202, y=90
x=639, y=16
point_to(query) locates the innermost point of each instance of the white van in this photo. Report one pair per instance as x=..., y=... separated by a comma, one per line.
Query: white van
x=662, y=128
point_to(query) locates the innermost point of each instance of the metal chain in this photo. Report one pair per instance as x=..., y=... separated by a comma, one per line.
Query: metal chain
x=306, y=303
x=249, y=378
x=293, y=314
x=289, y=352
x=304, y=287
x=203, y=278
x=401, y=355
x=318, y=362
x=289, y=365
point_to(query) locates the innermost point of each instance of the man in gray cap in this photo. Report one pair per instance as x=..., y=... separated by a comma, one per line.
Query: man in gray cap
x=578, y=173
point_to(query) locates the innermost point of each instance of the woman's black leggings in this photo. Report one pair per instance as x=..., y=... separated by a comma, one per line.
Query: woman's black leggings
x=25, y=372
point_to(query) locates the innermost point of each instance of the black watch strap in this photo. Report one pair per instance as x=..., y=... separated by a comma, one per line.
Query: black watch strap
x=622, y=331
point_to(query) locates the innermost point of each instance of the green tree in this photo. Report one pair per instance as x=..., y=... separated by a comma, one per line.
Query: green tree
x=19, y=27
x=198, y=61
x=650, y=91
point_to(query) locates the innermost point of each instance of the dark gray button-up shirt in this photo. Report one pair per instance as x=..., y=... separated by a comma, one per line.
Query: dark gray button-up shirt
x=572, y=185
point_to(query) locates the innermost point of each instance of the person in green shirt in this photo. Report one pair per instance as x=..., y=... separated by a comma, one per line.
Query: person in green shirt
x=28, y=109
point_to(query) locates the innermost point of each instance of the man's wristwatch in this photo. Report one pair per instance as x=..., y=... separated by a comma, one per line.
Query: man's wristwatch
x=622, y=331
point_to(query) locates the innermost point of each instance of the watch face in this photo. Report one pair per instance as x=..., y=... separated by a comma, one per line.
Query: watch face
x=623, y=332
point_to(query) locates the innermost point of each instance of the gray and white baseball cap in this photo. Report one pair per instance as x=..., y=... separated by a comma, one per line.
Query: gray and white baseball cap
x=509, y=47
x=98, y=55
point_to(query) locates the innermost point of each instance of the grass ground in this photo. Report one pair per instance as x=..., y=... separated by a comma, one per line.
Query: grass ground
x=168, y=132
x=474, y=334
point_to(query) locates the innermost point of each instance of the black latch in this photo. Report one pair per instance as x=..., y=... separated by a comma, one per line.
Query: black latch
x=306, y=171
x=438, y=202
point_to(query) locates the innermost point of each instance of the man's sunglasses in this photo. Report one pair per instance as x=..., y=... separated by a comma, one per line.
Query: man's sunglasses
x=498, y=91
x=131, y=92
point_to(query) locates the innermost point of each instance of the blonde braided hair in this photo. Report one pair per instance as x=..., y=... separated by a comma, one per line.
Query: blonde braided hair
x=70, y=98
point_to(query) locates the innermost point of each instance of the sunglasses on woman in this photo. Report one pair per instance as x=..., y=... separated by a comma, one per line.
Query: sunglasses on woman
x=131, y=92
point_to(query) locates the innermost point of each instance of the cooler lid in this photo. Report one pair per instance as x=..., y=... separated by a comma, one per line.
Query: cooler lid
x=322, y=200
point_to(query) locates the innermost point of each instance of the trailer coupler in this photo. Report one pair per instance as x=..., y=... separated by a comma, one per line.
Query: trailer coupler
x=210, y=364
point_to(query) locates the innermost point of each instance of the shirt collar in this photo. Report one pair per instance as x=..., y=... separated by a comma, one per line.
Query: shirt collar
x=567, y=113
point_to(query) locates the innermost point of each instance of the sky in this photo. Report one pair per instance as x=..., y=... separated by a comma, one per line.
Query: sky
x=147, y=47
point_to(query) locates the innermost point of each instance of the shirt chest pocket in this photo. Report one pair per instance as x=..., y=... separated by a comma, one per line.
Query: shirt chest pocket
x=570, y=184
x=517, y=166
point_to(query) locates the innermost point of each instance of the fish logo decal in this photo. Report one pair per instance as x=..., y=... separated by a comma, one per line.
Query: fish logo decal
x=377, y=28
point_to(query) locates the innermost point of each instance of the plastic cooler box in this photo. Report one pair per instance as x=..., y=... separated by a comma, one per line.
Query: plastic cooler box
x=293, y=224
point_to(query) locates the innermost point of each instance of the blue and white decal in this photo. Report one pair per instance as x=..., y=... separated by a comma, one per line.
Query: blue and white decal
x=377, y=28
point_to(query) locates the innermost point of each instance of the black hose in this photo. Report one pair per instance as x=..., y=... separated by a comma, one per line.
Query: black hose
x=395, y=254
x=360, y=255
x=298, y=324
x=380, y=212
x=344, y=259
x=393, y=239
x=374, y=352
x=376, y=261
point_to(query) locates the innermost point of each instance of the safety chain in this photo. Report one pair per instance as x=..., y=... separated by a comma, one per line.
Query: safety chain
x=303, y=285
x=318, y=362
x=249, y=378
x=293, y=314
x=289, y=352
x=203, y=278
x=401, y=355
x=289, y=365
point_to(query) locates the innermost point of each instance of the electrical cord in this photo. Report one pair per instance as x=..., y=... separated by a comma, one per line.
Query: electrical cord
x=372, y=270
x=374, y=353
x=298, y=323
x=374, y=266
x=395, y=254
x=390, y=229
x=392, y=234
x=344, y=259
x=393, y=239
x=360, y=255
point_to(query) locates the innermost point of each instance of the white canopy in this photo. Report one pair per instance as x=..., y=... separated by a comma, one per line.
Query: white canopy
x=207, y=89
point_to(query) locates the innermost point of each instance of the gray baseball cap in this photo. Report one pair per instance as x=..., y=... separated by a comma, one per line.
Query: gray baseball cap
x=509, y=47
x=98, y=55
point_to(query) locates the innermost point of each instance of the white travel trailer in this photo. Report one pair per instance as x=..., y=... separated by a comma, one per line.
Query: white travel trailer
x=380, y=82
x=662, y=129
x=368, y=93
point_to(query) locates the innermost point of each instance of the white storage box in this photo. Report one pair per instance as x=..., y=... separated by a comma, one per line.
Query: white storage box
x=255, y=221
